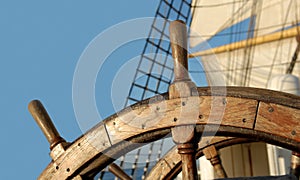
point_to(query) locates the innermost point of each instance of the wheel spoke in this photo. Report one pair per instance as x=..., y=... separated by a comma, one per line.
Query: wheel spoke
x=117, y=171
x=212, y=155
x=295, y=164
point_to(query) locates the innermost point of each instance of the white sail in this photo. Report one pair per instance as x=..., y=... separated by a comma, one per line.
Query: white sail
x=276, y=14
x=271, y=43
x=212, y=16
x=264, y=62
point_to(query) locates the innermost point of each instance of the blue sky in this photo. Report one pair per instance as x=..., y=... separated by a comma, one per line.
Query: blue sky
x=41, y=42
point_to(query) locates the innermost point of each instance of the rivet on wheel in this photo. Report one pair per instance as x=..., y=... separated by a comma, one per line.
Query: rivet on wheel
x=224, y=101
x=271, y=109
x=175, y=119
x=293, y=133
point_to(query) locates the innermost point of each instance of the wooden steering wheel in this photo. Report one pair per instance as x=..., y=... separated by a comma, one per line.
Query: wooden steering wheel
x=184, y=113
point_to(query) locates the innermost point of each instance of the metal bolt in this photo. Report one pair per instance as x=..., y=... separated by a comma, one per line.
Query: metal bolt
x=293, y=133
x=175, y=119
x=183, y=103
x=244, y=120
x=194, y=92
x=271, y=109
x=224, y=101
x=200, y=116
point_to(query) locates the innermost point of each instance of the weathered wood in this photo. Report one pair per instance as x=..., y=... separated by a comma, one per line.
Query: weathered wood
x=295, y=164
x=278, y=119
x=182, y=86
x=212, y=155
x=178, y=39
x=237, y=112
x=41, y=117
x=167, y=164
x=78, y=177
x=145, y=122
x=118, y=172
x=183, y=136
x=264, y=95
x=80, y=152
x=170, y=164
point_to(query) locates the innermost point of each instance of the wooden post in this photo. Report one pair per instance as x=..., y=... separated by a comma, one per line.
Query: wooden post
x=117, y=171
x=295, y=164
x=41, y=117
x=183, y=136
x=211, y=154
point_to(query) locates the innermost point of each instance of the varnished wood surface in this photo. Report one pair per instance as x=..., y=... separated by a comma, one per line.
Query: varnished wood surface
x=169, y=165
x=246, y=111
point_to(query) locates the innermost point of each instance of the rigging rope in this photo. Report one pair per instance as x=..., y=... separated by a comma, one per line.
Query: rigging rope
x=167, y=10
x=249, y=51
x=279, y=44
x=295, y=57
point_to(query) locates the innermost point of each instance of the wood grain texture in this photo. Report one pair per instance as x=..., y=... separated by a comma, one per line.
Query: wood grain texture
x=79, y=153
x=233, y=109
x=171, y=161
x=227, y=111
x=212, y=155
x=178, y=38
x=280, y=120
